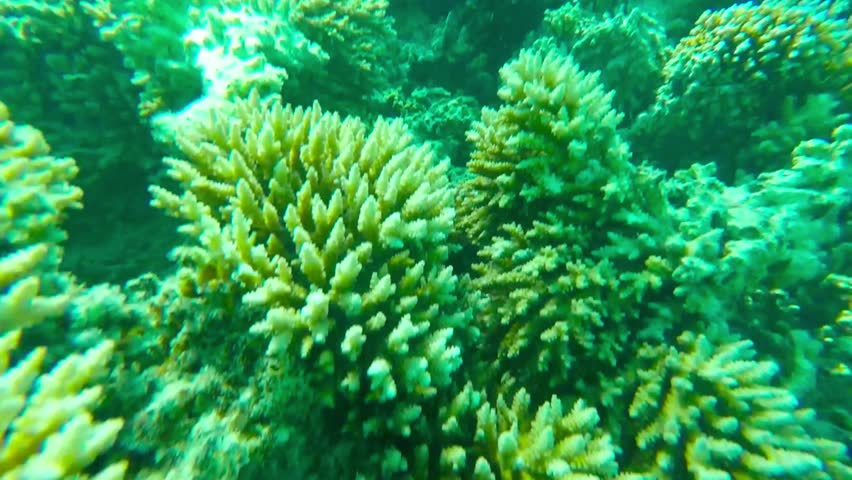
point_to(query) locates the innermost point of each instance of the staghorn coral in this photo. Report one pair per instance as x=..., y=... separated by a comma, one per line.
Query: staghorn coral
x=36, y=195
x=57, y=73
x=36, y=188
x=554, y=118
x=340, y=234
x=47, y=429
x=708, y=411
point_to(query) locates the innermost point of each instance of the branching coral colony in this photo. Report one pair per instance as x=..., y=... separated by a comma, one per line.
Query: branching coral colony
x=47, y=427
x=342, y=309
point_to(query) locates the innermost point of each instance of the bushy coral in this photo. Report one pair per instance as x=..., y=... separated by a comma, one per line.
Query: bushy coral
x=552, y=199
x=360, y=42
x=628, y=48
x=340, y=233
x=35, y=186
x=556, y=124
x=36, y=195
x=507, y=440
x=710, y=411
x=46, y=428
x=55, y=71
x=724, y=78
x=150, y=37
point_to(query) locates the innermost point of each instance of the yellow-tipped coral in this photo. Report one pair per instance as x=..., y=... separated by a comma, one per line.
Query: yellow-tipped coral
x=36, y=194
x=508, y=440
x=727, y=77
x=48, y=432
x=340, y=234
x=708, y=411
x=568, y=231
x=35, y=186
x=46, y=429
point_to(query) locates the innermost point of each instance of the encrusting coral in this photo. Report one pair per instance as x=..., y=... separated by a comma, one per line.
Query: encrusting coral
x=46, y=428
x=339, y=232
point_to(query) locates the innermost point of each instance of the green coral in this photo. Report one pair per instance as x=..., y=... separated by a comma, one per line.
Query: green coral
x=751, y=248
x=708, y=411
x=54, y=70
x=564, y=225
x=814, y=117
x=360, y=42
x=556, y=124
x=340, y=233
x=723, y=79
x=35, y=185
x=628, y=48
x=507, y=440
x=36, y=195
x=46, y=427
x=838, y=335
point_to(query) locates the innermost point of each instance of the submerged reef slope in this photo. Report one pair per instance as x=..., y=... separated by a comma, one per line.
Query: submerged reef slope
x=635, y=265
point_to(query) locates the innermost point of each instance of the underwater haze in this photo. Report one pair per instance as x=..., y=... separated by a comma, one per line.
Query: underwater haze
x=414, y=239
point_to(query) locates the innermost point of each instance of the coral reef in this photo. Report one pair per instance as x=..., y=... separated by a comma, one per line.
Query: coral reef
x=631, y=270
x=343, y=242
x=711, y=411
x=722, y=78
x=46, y=426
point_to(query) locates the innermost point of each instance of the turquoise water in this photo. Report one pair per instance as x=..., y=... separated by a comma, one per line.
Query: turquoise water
x=477, y=239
